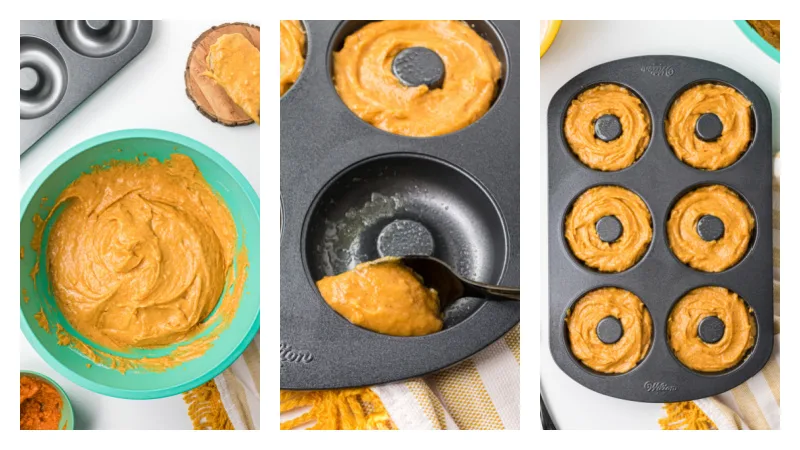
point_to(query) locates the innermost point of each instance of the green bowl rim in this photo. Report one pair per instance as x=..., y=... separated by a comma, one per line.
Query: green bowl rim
x=67, y=402
x=759, y=41
x=183, y=141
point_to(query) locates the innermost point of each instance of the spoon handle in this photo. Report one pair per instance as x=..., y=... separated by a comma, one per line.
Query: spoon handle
x=491, y=292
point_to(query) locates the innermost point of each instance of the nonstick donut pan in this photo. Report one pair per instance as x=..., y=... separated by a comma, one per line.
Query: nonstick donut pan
x=352, y=193
x=62, y=62
x=659, y=279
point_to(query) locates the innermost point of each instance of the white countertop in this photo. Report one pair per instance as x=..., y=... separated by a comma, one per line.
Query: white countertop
x=148, y=93
x=584, y=44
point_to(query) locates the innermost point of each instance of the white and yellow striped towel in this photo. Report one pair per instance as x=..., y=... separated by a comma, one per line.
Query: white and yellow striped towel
x=755, y=404
x=479, y=393
x=231, y=400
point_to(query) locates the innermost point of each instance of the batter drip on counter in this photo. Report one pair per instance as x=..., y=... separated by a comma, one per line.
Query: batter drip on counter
x=384, y=296
x=637, y=330
x=139, y=257
x=364, y=79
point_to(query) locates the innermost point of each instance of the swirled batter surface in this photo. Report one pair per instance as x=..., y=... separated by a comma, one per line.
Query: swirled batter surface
x=710, y=256
x=585, y=243
x=140, y=254
x=384, y=296
x=590, y=105
x=733, y=110
x=637, y=330
x=293, y=44
x=364, y=79
x=683, y=322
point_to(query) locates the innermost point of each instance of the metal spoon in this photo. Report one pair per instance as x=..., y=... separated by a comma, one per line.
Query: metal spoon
x=450, y=286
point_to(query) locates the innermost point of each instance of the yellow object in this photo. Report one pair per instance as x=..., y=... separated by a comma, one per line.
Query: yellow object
x=235, y=64
x=364, y=79
x=548, y=29
x=685, y=416
x=206, y=409
x=384, y=296
x=293, y=43
x=342, y=409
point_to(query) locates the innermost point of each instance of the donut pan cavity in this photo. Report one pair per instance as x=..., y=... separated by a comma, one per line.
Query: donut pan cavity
x=659, y=279
x=351, y=192
x=62, y=62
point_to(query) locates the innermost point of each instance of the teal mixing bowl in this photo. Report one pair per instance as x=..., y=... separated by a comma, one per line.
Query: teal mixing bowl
x=67, y=421
x=243, y=203
x=759, y=41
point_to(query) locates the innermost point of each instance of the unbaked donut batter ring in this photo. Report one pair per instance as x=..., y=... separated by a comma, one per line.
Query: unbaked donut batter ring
x=364, y=79
x=632, y=346
x=684, y=321
x=594, y=103
x=732, y=109
x=716, y=255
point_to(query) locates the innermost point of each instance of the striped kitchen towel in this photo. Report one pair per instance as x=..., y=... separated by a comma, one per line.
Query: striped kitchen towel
x=479, y=393
x=755, y=404
x=231, y=400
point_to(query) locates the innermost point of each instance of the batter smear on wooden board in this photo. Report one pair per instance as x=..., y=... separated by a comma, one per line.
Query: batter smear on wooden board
x=211, y=98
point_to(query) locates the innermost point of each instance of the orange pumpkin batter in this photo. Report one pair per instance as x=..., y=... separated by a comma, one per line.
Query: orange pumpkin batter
x=141, y=254
x=363, y=76
x=590, y=105
x=235, y=64
x=384, y=296
x=637, y=326
x=732, y=109
x=736, y=342
x=293, y=42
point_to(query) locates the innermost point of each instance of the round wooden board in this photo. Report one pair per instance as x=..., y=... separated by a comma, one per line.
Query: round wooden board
x=209, y=98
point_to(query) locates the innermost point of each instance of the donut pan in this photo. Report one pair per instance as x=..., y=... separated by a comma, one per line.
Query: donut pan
x=659, y=279
x=352, y=193
x=62, y=62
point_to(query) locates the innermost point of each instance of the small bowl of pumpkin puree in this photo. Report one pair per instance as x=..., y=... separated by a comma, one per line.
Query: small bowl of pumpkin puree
x=43, y=405
x=136, y=249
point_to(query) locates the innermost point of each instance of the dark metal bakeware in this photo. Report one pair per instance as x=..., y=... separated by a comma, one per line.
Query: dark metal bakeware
x=660, y=179
x=62, y=62
x=345, y=180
